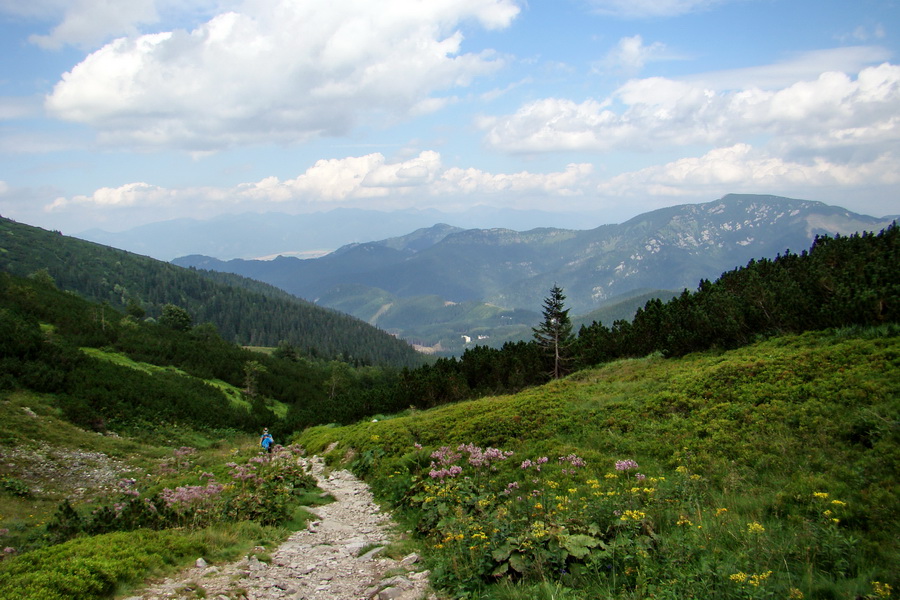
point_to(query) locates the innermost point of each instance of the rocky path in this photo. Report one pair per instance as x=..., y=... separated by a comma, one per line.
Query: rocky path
x=338, y=557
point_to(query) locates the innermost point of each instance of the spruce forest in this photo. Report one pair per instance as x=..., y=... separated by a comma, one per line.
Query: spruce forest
x=737, y=441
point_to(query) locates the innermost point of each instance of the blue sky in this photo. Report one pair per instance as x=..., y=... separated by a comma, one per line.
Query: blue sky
x=114, y=114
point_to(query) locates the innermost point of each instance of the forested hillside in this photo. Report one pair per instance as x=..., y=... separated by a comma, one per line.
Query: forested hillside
x=243, y=311
x=840, y=282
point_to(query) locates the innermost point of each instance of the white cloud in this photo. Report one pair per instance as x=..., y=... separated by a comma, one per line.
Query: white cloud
x=740, y=168
x=571, y=182
x=800, y=67
x=282, y=72
x=130, y=194
x=637, y=9
x=369, y=180
x=830, y=112
x=631, y=54
x=88, y=22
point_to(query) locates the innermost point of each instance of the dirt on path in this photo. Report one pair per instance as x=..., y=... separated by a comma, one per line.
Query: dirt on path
x=337, y=557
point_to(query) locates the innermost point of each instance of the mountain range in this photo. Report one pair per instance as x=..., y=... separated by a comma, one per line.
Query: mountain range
x=442, y=286
x=261, y=235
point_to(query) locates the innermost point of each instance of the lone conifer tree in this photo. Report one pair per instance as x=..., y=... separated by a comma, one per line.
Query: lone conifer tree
x=554, y=334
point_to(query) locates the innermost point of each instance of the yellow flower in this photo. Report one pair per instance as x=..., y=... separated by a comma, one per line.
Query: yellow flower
x=838, y=503
x=739, y=577
x=822, y=495
x=632, y=514
x=755, y=580
x=795, y=594
x=682, y=520
x=610, y=476
x=882, y=590
x=755, y=527
x=681, y=469
x=721, y=511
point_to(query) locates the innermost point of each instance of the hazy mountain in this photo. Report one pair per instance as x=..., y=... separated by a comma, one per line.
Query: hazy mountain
x=255, y=235
x=671, y=248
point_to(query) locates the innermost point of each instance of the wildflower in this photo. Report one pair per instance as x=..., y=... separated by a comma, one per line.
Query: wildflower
x=610, y=476
x=632, y=514
x=795, y=594
x=821, y=495
x=739, y=577
x=417, y=446
x=573, y=460
x=721, y=511
x=640, y=476
x=838, y=503
x=682, y=520
x=445, y=456
x=626, y=465
x=755, y=580
x=882, y=590
x=755, y=528
x=681, y=469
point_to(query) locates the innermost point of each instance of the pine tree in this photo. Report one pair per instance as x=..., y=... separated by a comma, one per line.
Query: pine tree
x=554, y=334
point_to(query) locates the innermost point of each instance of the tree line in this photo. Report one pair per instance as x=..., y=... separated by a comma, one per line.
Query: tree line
x=840, y=281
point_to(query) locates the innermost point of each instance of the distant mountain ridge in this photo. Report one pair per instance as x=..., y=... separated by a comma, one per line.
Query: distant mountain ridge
x=670, y=248
x=255, y=235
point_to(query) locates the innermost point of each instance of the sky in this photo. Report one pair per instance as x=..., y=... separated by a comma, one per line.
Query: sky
x=115, y=114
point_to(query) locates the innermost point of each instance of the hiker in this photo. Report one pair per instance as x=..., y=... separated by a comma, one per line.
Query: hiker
x=266, y=441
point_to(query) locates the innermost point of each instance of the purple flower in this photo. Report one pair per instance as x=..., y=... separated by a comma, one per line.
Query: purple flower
x=626, y=465
x=640, y=476
x=573, y=459
x=445, y=456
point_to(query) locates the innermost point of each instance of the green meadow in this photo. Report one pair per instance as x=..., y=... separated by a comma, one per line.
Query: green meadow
x=764, y=472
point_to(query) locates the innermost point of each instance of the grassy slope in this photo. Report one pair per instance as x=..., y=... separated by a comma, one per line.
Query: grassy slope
x=45, y=459
x=764, y=427
x=233, y=394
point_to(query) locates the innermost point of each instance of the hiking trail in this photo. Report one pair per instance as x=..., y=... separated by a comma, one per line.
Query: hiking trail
x=337, y=557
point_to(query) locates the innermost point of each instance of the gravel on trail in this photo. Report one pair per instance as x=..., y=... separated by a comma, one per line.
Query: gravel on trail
x=337, y=557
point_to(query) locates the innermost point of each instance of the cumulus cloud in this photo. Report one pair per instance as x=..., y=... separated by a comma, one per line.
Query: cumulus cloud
x=280, y=71
x=130, y=194
x=831, y=112
x=741, y=168
x=356, y=180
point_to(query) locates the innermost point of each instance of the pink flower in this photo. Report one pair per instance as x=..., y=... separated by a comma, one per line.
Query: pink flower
x=626, y=465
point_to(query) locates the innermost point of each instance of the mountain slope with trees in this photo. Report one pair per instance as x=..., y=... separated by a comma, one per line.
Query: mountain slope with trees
x=668, y=249
x=244, y=311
